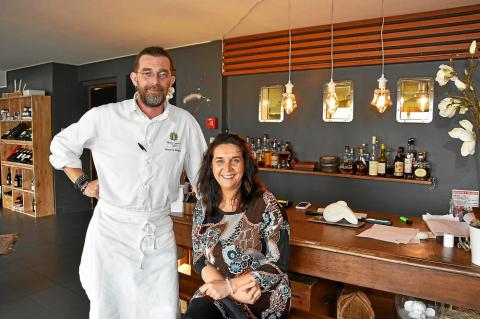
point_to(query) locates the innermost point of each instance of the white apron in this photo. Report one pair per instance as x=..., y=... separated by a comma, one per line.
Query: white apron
x=129, y=264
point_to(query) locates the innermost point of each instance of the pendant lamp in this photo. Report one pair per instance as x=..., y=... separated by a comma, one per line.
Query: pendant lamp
x=381, y=97
x=289, y=103
x=331, y=99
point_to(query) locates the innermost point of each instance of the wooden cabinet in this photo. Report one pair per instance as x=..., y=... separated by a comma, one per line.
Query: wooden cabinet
x=34, y=196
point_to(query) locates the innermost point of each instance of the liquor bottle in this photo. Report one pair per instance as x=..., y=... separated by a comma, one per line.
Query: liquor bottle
x=409, y=159
x=284, y=156
x=382, y=162
x=346, y=165
x=20, y=179
x=267, y=152
x=361, y=163
x=34, y=205
x=275, y=161
x=398, y=163
x=373, y=163
x=260, y=159
x=32, y=185
x=9, y=177
x=16, y=179
x=422, y=167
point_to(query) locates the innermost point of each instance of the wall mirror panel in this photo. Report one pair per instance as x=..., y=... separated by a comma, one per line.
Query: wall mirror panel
x=415, y=100
x=269, y=104
x=344, y=112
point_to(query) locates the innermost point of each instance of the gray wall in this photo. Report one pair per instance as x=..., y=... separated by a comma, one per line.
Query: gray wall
x=235, y=103
x=312, y=138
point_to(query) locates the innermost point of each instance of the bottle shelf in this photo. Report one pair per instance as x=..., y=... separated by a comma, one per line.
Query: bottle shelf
x=28, y=119
x=384, y=179
x=10, y=187
x=16, y=142
x=17, y=165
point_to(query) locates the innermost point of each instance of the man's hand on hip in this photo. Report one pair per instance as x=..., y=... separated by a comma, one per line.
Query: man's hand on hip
x=92, y=189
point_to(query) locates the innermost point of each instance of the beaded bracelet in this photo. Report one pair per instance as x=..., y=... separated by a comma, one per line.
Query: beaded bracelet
x=81, y=183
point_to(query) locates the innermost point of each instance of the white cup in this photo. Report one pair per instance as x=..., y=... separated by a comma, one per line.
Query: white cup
x=448, y=240
x=475, y=245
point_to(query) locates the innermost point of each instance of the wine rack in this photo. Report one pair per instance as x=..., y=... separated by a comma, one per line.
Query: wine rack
x=25, y=130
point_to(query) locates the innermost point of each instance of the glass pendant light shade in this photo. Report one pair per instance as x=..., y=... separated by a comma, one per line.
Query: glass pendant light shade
x=289, y=102
x=331, y=100
x=381, y=98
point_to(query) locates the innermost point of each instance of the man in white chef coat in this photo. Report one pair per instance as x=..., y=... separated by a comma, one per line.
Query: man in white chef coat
x=140, y=147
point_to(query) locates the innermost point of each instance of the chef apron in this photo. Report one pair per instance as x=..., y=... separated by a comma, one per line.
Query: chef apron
x=129, y=264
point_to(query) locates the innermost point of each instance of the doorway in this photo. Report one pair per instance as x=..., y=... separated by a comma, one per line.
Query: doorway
x=100, y=94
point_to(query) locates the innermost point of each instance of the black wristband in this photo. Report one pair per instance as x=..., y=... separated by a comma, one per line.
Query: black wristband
x=81, y=182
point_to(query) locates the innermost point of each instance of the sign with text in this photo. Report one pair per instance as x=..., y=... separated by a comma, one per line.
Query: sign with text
x=463, y=198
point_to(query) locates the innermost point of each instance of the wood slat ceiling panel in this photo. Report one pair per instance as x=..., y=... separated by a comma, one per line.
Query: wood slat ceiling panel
x=410, y=38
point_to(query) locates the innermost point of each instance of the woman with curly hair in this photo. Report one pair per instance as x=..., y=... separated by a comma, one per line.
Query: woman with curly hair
x=240, y=238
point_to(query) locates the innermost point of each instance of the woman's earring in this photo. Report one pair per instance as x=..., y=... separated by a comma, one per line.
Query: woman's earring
x=170, y=93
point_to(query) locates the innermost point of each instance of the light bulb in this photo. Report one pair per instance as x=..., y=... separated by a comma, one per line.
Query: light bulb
x=289, y=103
x=423, y=98
x=381, y=98
x=331, y=100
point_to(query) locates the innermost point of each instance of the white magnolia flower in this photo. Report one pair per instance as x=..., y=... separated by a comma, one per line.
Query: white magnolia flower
x=448, y=106
x=463, y=109
x=459, y=84
x=445, y=73
x=466, y=135
x=170, y=92
x=473, y=47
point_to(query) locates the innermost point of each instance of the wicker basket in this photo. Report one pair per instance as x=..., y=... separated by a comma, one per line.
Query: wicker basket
x=459, y=313
x=355, y=305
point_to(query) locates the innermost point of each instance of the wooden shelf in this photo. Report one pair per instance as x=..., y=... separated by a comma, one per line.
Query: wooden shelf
x=40, y=171
x=18, y=165
x=17, y=189
x=16, y=142
x=20, y=120
x=384, y=179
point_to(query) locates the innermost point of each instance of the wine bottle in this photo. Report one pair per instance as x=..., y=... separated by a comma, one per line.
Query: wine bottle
x=9, y=177
x=382, y=162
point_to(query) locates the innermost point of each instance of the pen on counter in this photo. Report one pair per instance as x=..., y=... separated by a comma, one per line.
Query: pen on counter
x=385, y=222
x=405, y=220
x=141, y=147
x=311, y=213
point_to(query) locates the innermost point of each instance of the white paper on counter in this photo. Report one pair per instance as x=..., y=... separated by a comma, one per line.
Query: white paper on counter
x=440, y=224
x=397, y=235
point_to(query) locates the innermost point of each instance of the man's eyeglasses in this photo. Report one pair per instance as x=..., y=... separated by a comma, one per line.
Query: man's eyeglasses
x=147, y=75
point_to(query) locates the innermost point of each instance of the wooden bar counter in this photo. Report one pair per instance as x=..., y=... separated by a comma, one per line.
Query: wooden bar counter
x=426, y=270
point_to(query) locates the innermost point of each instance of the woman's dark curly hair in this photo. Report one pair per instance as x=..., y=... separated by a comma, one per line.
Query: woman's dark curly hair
x=208, y=187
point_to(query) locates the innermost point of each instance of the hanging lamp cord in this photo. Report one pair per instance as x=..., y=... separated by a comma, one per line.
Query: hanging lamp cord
x=235, y=26
x=381, y=39
x=289, y=42
x=331, y=42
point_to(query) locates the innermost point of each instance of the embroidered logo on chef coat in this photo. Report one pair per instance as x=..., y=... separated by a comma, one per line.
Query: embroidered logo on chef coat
x=173, y=144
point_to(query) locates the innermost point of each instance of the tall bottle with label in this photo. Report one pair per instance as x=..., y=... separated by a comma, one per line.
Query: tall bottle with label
x=267, y=152
x=373, y=163
x=259, y=150
x=382, y=162
x=409, y=159
x=9, y=177
x=275, y=149
x=398, y=163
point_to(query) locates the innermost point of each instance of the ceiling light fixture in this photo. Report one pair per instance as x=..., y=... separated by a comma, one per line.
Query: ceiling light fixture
x=381, y=97
x=289, y=103
x=331, y=99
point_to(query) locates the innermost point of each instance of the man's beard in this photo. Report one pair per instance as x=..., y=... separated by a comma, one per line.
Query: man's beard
x=149, y=99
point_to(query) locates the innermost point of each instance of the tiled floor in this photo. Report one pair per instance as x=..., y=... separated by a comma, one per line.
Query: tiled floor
x=40, y=279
